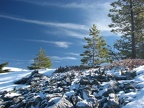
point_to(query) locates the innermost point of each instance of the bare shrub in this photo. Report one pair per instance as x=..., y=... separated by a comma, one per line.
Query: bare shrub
x=126, y=63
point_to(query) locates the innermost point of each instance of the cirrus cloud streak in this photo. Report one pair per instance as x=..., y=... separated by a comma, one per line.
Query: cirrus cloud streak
x=61, y=44
x=45, y=23
x=57, y=58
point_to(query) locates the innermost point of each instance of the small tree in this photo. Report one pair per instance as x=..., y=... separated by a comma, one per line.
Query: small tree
x=96, y=51
x=41, y=61
x=2, y=66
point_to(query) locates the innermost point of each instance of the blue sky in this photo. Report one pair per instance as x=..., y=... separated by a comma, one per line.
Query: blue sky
x=57, y=26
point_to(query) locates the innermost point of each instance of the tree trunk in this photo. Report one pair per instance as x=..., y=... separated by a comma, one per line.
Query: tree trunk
x=93, y=61
x=133, y=55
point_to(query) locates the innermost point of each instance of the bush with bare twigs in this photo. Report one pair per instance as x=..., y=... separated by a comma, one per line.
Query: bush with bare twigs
x=126, y=63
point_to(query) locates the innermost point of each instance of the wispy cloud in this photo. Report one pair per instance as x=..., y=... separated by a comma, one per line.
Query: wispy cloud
x=45, y=23
x=80, y=5
x=95, y=12
x=71, y=33
x=61, y=44
x=73, y=54
x=56, y=4
x=58, y=58
x=75, y=33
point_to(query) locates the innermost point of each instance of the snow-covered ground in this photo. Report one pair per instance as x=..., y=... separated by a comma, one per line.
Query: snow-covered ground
x=7, y=79
x=138, y=102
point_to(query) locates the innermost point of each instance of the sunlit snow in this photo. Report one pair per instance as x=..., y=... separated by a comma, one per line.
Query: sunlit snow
x=7, y=79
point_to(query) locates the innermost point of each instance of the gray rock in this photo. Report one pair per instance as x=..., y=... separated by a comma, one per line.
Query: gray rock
x=57, y=90
x=68, y=79
x=95, y=82
x=44, y=103
x=131, y=74
x=85, y=94
x=93, y=101
x=116, y=86
x=26, y=79
x=53, y=101
x=7, y=104
x=84, y=81
x=37, y=100
x=113, y=101
x=88, y=103
x=21, y=104
x=22, y=81
x=16, y=100
x=102, y=102
x=63, y=103
x=75, y=99
x=50, y=96
x=109, y=90
x=120, y=77
x=2, y=106
x=102, y=78
x=128, y=86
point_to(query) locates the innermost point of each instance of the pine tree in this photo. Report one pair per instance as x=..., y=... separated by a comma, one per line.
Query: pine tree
x=41, y=61
x=2, y=65
x=96, y=51
x=127, y=18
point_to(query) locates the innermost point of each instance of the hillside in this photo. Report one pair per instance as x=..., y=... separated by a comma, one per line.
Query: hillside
x=79, y=88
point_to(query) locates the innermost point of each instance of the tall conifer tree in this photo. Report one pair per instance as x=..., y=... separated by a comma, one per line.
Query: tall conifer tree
x=96, y=51
x=127, y=19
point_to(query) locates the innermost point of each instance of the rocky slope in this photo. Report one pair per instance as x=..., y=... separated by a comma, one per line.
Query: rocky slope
x=90, y=88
